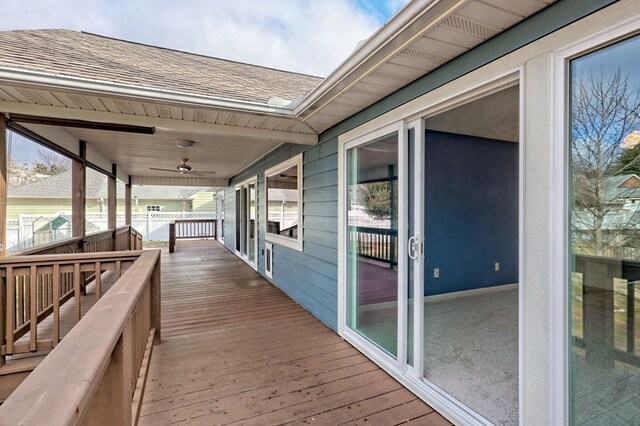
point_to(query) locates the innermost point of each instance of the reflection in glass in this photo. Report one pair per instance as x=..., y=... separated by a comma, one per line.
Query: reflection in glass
x=372, y=262
x=282, y=203
x=605, y=235
x=252, y=222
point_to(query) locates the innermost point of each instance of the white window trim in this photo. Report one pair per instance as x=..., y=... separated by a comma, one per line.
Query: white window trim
x=153, y=210
x=238, y=187
x=292, y=243
x=559, y=253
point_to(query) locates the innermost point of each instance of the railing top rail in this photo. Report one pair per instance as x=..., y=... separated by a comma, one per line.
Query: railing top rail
x=124, y=228
x=61, y=388
x=370, y=230
x=192, y=220
x=69, y=258
x=47, y=247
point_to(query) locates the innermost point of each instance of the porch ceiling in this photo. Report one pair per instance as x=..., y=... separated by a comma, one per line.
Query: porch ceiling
x=226, y=141
x=423, y=36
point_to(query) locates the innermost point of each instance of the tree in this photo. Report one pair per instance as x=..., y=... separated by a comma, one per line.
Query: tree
x=604, y=111
x=375, y=197
x=51, y=163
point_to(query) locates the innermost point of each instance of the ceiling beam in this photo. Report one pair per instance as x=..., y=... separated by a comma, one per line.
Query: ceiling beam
x=158, y=123
x=82, y=124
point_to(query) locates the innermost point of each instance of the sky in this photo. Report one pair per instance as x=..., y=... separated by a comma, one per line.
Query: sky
x=307, y=36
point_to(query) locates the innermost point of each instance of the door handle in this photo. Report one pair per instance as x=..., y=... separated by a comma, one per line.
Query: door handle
x=411, y=247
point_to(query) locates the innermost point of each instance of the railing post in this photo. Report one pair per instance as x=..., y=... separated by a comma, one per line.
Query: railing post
x=172, y=236
x=3, y=186
x=3, y=315
x=110, y=405
x=127, y=203
x=78, y=190
x=156, y=314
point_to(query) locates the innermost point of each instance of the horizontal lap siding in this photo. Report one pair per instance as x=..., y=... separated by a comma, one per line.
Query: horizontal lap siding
x=310, y=276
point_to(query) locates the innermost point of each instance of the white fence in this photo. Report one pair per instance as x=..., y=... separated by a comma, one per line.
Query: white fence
x=28, y=229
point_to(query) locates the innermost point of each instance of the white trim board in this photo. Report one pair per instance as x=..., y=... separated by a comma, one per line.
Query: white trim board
x=470, y=293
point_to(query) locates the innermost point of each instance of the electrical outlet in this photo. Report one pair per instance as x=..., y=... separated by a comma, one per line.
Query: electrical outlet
x=497, y=266
x=436, y=272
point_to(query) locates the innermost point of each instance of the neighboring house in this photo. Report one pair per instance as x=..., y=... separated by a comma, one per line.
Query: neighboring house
x=477, y=301
x=52, y=195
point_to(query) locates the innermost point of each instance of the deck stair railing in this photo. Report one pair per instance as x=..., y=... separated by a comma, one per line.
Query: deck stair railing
x=379, y=244
x=190, y=228
x=97, y=373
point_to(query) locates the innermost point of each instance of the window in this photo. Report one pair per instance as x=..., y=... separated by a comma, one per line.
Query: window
x=97, y=204
x=284, y=203
x=153, y=208
x=604, y=235
x=38, y=194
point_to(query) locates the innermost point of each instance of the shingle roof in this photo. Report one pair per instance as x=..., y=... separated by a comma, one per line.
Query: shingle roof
x=59, y=186
x=79, y=54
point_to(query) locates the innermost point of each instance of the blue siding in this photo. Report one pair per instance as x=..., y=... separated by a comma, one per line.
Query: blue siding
x=309, y=277
x=471, y=212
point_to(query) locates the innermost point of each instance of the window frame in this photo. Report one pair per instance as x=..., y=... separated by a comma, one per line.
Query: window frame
x=293, y=243
x=153, y=210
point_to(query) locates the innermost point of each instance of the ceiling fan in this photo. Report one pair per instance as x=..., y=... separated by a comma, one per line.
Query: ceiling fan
x=183, y=169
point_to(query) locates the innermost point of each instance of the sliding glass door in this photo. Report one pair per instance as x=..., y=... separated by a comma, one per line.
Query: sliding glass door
x=432, y=240
x=246, y=221
x=372, y=230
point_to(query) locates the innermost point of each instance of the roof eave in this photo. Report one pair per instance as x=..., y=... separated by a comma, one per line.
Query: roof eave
x=356, y=65
x=62, y=82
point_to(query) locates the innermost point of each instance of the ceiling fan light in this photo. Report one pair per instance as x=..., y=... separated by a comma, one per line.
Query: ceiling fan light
x=184, y=143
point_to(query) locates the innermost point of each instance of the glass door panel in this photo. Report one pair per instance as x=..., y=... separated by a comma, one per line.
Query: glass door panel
x=604, y=237
x=372, y=261
x=470, y=195
x=243, y=221
x=252, y=223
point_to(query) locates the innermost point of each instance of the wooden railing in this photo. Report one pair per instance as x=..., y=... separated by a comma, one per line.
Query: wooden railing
x=97, y=373
x=119, y=239
x=190, y=228
x=378, y=244
x=608, y=308
x=36, y=287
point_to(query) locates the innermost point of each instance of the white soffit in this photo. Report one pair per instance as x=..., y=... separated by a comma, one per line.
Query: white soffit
x=432, y=33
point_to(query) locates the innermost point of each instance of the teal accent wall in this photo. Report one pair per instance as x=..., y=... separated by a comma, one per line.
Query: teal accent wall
x=310, y=277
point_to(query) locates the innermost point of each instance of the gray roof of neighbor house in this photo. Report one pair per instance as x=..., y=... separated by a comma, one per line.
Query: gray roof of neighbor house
x=85, y=55
x=59, y=186
x=614, y=189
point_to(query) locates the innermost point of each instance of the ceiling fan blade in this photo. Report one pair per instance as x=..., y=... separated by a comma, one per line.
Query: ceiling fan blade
x=203, y=173
x=164, y=170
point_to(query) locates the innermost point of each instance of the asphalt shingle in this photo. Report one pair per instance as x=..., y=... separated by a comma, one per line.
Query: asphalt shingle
x=84, y=55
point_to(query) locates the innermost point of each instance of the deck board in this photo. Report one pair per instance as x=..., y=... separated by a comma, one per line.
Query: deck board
x=237, y=350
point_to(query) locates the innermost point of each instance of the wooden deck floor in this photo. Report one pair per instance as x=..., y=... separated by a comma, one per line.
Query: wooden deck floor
x=236, y=350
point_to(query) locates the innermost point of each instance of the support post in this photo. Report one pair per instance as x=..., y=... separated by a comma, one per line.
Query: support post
x=79, y=191
x=3, y=225
x=127, y=203
x=111, y=199
x=155, y=302
x=3, y=186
